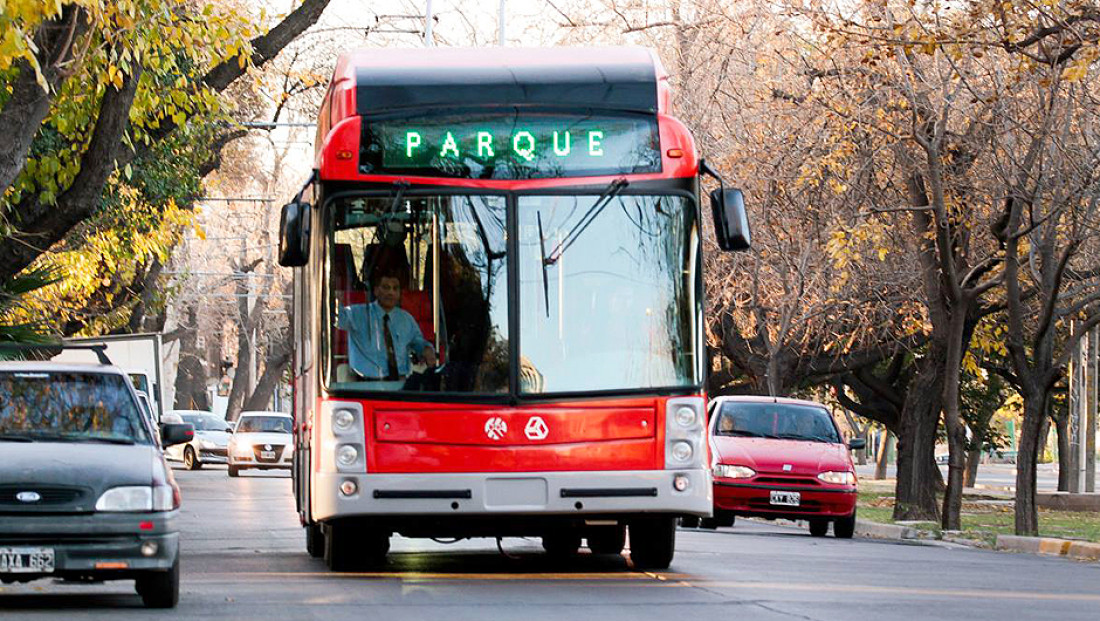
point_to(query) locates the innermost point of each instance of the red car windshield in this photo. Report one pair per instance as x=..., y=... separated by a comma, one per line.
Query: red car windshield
x=776, y=420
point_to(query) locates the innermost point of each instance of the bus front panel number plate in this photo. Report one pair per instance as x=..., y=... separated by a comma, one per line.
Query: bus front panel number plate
x=26, y=560
x=786, y=499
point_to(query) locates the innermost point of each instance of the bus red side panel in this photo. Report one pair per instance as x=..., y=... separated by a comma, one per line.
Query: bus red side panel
x=612, y=435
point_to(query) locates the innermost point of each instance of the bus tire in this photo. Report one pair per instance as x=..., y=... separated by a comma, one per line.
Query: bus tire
x=652, y=542
x=315, y=540
x=561, y=543
x=607, y=539
x=354, y=546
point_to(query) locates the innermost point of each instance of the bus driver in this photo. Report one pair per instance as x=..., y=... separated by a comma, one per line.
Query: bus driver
x=381, y=335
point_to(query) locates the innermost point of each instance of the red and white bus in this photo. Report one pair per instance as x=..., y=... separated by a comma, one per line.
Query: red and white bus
x=537, y=214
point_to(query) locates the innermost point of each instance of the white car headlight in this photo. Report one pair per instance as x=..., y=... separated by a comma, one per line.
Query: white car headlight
x=733, y=472
x=130, y=498
x=838, y=478
x=241, y=450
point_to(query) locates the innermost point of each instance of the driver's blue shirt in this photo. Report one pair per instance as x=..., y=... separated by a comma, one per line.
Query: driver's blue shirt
x=367, y=344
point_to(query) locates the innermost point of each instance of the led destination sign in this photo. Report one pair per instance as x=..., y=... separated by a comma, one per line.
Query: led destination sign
x=512, y=146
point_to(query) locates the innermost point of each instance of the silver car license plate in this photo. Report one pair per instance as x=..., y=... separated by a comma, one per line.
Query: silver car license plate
x=26, y=560
x=786, y=499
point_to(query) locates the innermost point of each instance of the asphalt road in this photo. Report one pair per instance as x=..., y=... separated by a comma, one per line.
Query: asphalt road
x=244, y=558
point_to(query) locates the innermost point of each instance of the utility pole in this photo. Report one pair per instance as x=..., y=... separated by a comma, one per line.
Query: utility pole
x=1092, y=366
x=500, y=24
x=428, y=25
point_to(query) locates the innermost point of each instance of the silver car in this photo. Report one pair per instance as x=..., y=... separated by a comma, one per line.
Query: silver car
x=211, y=442
x=261, y=440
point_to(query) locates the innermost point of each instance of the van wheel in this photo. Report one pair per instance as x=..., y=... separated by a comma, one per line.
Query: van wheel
x=189, y=460
x=845, y=527
x=652, y=542
x=315, y=540
x=353, y=545
x=607, y=539
x=160, y=589
x=819, y=528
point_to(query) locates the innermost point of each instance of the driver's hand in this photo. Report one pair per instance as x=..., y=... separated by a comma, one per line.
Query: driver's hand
x=429, y=357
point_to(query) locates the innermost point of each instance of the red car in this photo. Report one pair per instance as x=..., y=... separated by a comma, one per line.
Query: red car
x=782, y=458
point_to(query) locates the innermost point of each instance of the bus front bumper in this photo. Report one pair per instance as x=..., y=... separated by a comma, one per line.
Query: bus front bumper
x=527, y=493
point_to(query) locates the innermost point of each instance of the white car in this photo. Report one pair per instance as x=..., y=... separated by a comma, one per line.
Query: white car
x=262, y=440
x=211, y=442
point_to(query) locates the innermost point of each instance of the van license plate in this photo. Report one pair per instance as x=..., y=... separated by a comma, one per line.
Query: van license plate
x=786, y=499
x=26, y=560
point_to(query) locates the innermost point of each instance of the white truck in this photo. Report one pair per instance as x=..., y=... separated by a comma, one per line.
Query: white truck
x=139, y=355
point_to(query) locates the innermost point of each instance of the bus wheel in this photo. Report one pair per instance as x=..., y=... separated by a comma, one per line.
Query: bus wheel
x=315, y=540
x=354, y=546
x=652, y=542
x=607, y=539
x=562, y=543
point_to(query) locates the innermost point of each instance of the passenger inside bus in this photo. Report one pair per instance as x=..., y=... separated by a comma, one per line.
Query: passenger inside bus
x=382, y=336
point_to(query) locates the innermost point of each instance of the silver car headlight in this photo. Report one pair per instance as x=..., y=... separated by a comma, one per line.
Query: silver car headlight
x=129, y=498
x=726, y=471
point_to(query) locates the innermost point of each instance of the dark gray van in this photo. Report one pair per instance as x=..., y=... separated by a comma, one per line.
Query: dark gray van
x=85, y=493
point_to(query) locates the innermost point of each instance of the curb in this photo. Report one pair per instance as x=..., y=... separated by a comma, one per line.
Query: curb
x=876, y=530
x=1049, y=546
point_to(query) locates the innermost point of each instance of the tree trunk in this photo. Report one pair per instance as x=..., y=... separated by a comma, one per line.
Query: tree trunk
x=918, y=476
x=260, y=399
x=191, y=377
x=883, y=456
x=1065, y=453
x=28, y=104
x=973, y=457
x=1027, y=514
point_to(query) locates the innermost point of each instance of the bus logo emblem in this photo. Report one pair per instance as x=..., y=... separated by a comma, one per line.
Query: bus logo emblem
x=536, y=428
x=495, y=428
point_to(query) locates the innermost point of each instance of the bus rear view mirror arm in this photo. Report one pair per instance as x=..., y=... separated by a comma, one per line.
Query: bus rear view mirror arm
x=731, y=221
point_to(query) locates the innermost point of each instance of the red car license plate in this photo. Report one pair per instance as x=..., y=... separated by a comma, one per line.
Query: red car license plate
x=786, y=499
x=26, y=560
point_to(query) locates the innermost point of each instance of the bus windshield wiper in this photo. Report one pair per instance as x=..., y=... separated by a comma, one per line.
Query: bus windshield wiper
x=597, y=207
x=555, y=255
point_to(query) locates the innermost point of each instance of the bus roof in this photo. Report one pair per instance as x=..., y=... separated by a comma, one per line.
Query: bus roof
x=623, y=79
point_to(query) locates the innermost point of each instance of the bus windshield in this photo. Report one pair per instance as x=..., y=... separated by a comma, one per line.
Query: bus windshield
x=418, y=293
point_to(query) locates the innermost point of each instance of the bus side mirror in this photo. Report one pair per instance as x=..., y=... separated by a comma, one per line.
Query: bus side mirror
x=294, y=234
x=731, y=223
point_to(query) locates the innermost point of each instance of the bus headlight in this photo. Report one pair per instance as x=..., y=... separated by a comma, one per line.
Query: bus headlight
x=343, y=421
x=347, y=455
x=682, y=451
x=686, y=416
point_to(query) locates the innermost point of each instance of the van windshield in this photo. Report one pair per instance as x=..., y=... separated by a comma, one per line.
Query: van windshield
x=69, y=407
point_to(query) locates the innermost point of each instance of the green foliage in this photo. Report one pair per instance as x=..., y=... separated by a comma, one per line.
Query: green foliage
x=17, y=325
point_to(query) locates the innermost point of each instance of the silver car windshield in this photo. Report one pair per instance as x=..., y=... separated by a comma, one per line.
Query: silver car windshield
x=69, y=407
x=264, y=424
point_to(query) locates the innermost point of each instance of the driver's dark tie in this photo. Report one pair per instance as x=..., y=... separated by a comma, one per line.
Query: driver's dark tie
x=391, y=357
